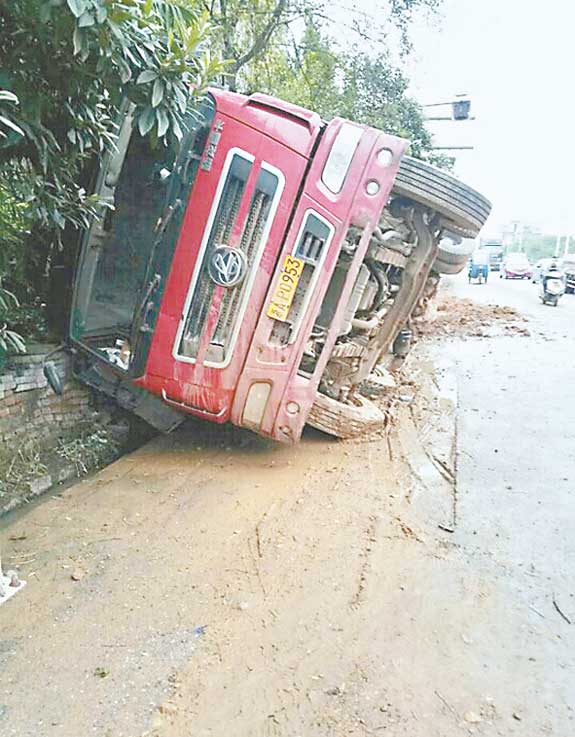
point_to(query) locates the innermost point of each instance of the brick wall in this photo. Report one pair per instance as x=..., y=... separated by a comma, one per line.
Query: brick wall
x=29, y=409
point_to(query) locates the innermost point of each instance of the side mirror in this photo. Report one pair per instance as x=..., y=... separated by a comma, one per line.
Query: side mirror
x=53, y=378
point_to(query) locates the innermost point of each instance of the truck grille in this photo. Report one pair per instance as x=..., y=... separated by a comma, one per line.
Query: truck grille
x=311, y=245
x=233, y=302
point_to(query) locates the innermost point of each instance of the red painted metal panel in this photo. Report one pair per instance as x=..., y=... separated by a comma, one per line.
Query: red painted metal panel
x=284, y=136
x=196, y=386
x=351, y=206
x=290, y=125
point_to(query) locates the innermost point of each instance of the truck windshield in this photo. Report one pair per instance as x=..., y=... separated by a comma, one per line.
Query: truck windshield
x=118, y=282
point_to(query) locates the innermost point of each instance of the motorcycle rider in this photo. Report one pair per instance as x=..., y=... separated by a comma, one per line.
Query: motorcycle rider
x=553, y=272
x=552, y=275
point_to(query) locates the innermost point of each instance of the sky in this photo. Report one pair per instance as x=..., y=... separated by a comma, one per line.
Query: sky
x=516, y=60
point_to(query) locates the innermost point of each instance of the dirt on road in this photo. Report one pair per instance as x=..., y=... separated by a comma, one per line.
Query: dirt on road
x=213, y=583
x=460, y=317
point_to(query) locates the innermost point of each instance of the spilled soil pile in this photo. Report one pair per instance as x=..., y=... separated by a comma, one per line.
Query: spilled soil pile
x=458, y=317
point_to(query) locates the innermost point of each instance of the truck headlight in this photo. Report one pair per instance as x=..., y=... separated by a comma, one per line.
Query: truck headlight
x=340, y=156
x=255, y=405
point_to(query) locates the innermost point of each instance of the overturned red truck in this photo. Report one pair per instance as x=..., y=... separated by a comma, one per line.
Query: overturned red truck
x=258, y=274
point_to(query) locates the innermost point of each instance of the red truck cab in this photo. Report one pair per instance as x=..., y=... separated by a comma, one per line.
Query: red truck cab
x=200, y=292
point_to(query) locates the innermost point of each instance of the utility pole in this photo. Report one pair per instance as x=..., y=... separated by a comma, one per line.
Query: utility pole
x=558, y=246
x=567, y=243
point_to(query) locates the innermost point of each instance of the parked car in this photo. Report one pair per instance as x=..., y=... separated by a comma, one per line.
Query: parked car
x=516, y=266
x=569, y=271
x=257, y=273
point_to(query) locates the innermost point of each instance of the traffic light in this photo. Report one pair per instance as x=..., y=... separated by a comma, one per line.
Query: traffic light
x=460, y=109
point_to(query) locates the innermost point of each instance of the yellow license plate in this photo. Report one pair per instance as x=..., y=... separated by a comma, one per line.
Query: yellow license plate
x=284, y=292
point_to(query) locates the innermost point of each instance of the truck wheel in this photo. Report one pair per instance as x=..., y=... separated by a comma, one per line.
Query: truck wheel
x=461, y=205
x=452, y=258
x=345, y=420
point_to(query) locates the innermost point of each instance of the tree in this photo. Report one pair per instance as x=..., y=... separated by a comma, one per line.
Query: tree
x=367, y=89
x=70, y=63
x=249, y=33
x=244, y=30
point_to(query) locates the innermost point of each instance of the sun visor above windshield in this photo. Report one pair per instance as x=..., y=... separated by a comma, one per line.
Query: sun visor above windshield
x=290, y=125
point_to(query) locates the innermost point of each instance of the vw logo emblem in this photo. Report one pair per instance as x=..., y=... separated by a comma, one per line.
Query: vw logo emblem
x=227, y=266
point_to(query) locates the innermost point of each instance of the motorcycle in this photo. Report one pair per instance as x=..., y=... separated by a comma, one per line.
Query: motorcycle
x=552, y=287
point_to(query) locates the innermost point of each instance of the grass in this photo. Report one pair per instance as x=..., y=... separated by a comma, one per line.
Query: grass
x=85, y=447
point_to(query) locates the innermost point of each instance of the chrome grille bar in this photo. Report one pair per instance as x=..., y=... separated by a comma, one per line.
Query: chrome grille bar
x=265, y=198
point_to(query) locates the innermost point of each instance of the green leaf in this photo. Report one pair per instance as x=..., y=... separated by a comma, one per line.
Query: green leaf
x=59, y=219
x=163, y=122
x=9, y=124
x=86, y=20
x=157, y=92
x=7, y=96
x=146, y=121
x=146, y=76
x=16, y=341
x=7, y=299
x=125, y=71
x=148, y=7
x=177, y=129
x=45, y=13
x=77, y=7
x=181, y=98
x=77, y=39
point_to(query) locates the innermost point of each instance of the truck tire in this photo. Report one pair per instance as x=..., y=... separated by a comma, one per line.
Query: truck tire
x=460, y=205
x=451, y=259
x=345, y=420
x=441, y=266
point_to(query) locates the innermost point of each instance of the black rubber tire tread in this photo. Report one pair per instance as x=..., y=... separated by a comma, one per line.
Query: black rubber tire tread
x=443, y=267
x=442, y=181
x=444, y=187
x=453, y=262
x=461, y=255
x=463, y=206
x=444, y=200
x=456, y=230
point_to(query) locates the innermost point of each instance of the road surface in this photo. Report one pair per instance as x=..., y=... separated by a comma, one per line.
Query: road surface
x=215, y=584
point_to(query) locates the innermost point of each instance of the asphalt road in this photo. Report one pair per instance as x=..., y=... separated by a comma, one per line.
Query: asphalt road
x=516, y=464
x=214, y=584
